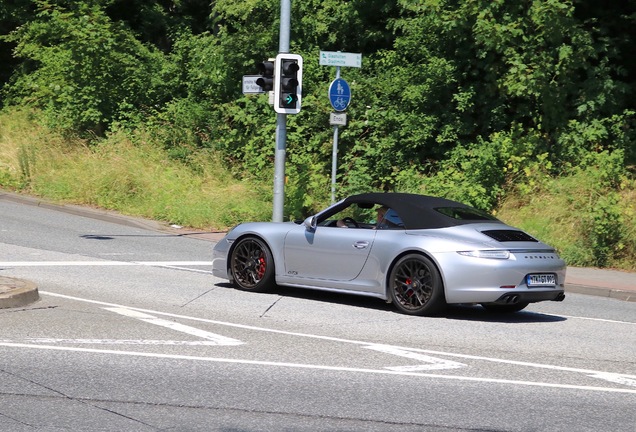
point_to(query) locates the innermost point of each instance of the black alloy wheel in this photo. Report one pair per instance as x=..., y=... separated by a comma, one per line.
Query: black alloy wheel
x=252, y=265
x=416, y=287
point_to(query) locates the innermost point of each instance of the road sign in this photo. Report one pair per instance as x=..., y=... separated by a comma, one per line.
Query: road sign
x=250, y=86
x=339, y=94
x=338, y=119
x=337, y=58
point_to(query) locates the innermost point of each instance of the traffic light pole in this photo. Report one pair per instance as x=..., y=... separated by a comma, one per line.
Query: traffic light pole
x=280, y=152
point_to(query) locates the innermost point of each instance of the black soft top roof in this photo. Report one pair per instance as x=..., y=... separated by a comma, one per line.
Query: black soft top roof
x=422, y=211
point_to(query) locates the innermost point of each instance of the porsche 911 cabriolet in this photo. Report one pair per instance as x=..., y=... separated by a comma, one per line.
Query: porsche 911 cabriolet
x=418, y=252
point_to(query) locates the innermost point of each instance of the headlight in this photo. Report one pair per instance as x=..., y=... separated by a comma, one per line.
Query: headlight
x=490, y=254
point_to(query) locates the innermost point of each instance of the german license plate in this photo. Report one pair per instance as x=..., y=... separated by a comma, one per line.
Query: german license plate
x=541, y=280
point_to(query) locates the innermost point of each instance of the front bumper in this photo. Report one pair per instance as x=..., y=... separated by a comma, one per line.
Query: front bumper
x=219, y=259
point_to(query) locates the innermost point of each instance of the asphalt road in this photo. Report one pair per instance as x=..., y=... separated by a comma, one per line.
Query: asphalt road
x=133, y=333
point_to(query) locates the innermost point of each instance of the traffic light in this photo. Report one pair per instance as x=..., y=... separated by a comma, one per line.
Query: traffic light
x=266, y=70
x=288, y=78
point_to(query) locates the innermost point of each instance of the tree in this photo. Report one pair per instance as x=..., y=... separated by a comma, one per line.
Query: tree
x=82, y=69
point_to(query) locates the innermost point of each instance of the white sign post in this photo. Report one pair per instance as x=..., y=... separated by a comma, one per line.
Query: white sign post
x=338, y=59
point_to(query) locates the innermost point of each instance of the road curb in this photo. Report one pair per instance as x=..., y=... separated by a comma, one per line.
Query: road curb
x=614, y=293
x=17, y=292
x=85, y=211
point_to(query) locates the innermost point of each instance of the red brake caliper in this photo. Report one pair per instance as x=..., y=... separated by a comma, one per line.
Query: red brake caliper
x=409, y=290
x=260, y=270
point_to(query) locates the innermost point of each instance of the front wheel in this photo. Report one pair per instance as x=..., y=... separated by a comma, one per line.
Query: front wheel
x=252, y=265
x=415, y=286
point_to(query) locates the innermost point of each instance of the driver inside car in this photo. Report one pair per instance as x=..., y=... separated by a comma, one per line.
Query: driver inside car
x=385, y=219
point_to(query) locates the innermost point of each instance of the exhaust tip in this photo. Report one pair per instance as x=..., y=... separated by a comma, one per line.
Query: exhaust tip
x=511, y=299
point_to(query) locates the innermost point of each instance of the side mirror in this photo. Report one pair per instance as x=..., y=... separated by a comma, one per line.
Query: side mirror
x=311, y=223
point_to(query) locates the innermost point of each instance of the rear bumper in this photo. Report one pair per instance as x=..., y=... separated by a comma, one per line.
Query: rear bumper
x=510, y=298
x=495, y=281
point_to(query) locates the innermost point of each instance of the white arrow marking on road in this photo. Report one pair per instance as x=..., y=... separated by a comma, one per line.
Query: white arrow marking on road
x=615, y=378
x=587, y=372
x=217, y=339
x=432, y=363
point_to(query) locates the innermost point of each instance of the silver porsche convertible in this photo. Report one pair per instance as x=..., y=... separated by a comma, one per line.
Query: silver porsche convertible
x=417, y=252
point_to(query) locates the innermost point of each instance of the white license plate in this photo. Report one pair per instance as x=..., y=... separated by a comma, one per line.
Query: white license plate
x=541, y=280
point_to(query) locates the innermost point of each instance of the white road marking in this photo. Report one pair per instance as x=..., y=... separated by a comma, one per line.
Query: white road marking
x=102, y=263
x=591, y=373
x=598, y=319
x=177, y=265
x=115, y=342
x=432, y=363
x=616, y=378
x=217, y=339
x=322, y=367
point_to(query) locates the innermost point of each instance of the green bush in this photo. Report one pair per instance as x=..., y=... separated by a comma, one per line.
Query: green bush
x=86, y=71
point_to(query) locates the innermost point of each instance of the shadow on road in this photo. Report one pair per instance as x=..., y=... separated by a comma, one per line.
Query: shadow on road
x=478, y=313
x=454, y=312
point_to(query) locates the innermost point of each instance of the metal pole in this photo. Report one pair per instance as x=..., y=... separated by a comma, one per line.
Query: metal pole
x=334, y=154
x=281, y=122
x=334, y=164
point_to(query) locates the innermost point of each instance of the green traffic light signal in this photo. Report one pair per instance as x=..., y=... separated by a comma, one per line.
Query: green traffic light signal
x=288, y=83
x=289, y=100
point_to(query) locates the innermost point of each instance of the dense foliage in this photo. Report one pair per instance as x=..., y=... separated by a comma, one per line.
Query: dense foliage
x=469, y=99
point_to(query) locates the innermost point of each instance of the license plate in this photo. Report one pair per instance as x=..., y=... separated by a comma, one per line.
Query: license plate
x=541, y=280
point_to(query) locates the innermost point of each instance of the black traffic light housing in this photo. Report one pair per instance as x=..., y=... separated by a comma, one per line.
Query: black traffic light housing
x=266, y=71
x=288, y=78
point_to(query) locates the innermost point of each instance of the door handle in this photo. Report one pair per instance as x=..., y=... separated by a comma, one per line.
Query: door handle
x=361, y=244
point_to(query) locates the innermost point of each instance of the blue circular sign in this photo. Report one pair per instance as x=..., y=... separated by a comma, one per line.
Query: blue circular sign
x=339, y=94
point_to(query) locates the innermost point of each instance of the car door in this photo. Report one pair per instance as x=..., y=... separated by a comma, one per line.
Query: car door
x=327, y=253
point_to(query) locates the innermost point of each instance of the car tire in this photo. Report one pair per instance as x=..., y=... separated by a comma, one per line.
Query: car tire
x=252, y=265
x=415, y=286
x=511, y=308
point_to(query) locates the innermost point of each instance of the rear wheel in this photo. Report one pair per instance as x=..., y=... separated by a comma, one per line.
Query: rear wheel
x=509, y=308
x=415, y=286
x=252, y=265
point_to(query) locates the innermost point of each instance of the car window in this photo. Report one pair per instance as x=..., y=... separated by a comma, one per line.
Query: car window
x=366, y=217
x=392, y=220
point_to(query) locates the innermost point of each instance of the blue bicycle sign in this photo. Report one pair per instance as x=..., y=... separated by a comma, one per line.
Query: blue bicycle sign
x=339, y=94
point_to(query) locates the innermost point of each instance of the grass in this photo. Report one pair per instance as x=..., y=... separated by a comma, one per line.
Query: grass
x=136, y=177
x=562, y=214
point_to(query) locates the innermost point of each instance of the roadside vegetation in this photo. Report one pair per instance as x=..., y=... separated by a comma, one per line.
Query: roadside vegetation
x=129, y=174
x=524, y=109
